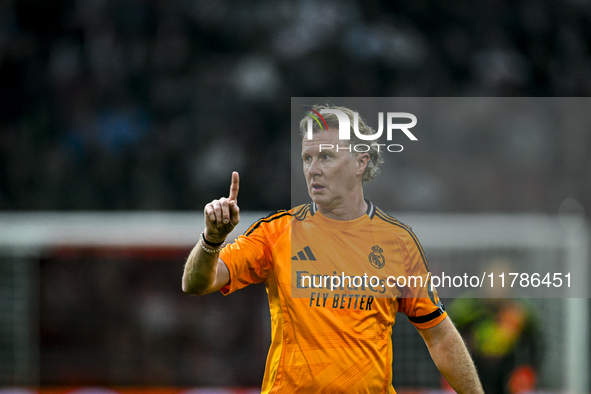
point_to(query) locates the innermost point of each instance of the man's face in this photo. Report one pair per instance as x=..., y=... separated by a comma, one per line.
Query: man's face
x=331, y=176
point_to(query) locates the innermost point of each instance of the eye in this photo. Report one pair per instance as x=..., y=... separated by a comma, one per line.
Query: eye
x=325, y=156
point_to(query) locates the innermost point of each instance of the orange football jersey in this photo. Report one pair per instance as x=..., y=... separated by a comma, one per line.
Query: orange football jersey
x=330, y=337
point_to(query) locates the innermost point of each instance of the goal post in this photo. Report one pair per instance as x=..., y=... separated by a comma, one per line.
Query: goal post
x=458, y=240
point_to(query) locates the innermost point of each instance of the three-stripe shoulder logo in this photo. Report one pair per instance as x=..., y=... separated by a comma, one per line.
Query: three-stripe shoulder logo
x=304, y=255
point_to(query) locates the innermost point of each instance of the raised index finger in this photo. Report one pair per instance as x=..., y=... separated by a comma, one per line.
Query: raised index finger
x=234, y=187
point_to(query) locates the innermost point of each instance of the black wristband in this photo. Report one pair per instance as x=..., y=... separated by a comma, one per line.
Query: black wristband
x=210, y=243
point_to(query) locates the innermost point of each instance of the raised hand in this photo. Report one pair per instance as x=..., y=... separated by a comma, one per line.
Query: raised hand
x=221, y=216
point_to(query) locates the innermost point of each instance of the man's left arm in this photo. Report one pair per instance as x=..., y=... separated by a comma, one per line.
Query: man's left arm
x=451, y=357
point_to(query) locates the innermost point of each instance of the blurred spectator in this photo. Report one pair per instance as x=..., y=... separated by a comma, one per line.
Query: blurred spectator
x=504, y=336
x=504, y=339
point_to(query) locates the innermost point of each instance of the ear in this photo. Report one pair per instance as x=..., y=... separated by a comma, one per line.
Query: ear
x=361, y=162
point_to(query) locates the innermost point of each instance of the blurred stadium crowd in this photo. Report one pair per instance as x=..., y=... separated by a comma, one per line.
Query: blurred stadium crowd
x=147, y=104
x=122, y=320
x=150, y=104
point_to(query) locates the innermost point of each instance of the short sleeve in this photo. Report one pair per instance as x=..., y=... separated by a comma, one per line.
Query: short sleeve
x=248, y=260
x=419, y=300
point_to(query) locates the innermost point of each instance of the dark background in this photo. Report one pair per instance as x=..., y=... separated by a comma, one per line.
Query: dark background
x=125, y=105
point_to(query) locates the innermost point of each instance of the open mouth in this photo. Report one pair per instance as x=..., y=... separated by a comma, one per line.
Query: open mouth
x=317, y=187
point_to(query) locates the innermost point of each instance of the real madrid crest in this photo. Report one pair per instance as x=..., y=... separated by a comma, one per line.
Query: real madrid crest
x=376, y=258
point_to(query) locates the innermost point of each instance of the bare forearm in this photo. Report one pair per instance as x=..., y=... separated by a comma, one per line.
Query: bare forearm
x=200, y=271
x=452, y=359
x=454, y=362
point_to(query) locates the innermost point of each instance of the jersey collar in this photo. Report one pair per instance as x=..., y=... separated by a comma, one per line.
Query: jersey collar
x=371, y=209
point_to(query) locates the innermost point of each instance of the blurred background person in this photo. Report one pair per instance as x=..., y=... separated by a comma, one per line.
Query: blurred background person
x=504, y=335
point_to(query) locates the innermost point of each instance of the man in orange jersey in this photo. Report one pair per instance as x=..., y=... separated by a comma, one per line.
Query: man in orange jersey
x=331, y=326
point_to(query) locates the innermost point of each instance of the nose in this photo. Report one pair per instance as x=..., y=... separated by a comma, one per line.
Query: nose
x=313, y=168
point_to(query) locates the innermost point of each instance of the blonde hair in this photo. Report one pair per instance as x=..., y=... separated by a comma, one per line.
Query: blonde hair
x=376, y=156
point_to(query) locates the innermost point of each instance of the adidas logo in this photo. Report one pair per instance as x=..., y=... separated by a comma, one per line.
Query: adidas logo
x=305, y=254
